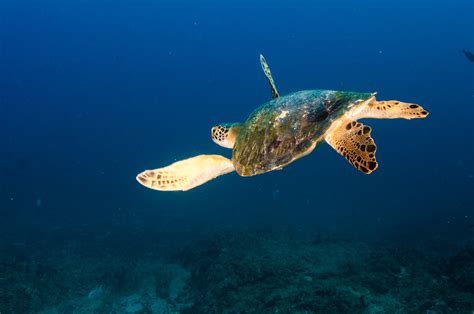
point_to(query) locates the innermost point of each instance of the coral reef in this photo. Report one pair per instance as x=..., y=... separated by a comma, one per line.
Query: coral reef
x=61, y=280
x=256, y=272
x=276, y=274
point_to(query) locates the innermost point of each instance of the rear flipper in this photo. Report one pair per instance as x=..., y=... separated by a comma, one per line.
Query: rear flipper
x=393, y=109
x=186, y=174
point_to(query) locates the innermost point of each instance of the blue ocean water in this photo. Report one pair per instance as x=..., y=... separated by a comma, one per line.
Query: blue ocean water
x=94, y=92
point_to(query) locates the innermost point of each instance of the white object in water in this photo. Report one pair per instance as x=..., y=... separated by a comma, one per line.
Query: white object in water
x=95, y=293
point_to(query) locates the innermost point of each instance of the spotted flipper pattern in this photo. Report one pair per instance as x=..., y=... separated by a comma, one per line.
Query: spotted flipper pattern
x=352, y=140
x=394, y=109
x=268, y=74
x=186, y=174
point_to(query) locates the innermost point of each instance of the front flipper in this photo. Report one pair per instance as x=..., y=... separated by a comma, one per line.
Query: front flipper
x=352, y=140
x=186, y=174
x=394, y=109
x=268, y=74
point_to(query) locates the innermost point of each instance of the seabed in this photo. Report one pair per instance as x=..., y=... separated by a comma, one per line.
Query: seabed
x=141, y=271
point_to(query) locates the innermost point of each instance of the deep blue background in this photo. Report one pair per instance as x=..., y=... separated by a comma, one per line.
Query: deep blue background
x=93, y=92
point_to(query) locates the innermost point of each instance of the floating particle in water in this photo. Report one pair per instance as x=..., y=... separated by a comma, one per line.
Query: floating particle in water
x=276, y=194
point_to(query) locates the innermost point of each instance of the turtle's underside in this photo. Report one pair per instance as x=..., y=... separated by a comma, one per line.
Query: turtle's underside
x=284, y=130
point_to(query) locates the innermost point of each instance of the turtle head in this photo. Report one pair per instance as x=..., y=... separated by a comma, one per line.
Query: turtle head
x=225, y=134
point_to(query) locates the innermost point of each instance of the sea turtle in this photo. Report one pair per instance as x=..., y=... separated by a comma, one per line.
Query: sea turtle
x=283, y=130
